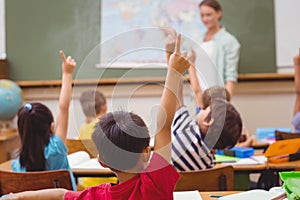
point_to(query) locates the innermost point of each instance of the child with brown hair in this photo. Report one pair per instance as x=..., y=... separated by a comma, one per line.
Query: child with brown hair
x=217, y=126
x=122, y=140
x=93, y=104
x=203, y=100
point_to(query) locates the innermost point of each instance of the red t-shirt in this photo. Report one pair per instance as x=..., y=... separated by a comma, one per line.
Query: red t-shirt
x=156, y=182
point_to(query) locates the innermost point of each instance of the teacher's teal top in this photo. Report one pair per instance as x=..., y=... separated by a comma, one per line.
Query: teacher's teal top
x=55, y=155
x=226, y=51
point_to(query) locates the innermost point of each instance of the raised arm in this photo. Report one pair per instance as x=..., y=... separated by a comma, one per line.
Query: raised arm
x=177, y=66
x=195, y=84
x=297, y=82
x=68, y=66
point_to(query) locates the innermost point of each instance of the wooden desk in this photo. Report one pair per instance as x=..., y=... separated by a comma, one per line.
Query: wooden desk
x=247, y=168
x=284, y=166
x=5, y=166
x=260, y=167
x=9, y=141
x=104, y=172
x=206, y=195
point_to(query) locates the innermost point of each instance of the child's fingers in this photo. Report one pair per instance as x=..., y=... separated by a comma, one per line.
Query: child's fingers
x=169, y=31
x=69, y=58
x=73, y=62
x=177, y=44
x=173, y=33
x=62, y=55
x=185, y=54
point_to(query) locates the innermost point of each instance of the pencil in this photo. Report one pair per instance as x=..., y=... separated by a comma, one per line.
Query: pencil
x=279, y=197
x=215, y=196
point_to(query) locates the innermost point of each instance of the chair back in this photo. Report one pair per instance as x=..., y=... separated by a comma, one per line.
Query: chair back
x=23, y=181
x=215, y=179
x=280, y=135
x=86, y=145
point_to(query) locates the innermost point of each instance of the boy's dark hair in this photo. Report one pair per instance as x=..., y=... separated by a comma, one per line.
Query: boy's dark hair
x=120, y=138
x=34, y=126
x=214, y=92
x=92, y=102
x=226, y=129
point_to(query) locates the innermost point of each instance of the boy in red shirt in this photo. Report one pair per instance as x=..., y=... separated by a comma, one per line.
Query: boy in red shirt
x=122, y=140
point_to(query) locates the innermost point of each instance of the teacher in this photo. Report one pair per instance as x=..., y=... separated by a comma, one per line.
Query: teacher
x=221, y=46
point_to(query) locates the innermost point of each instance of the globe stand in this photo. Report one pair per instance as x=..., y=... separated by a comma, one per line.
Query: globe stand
x=5, y=127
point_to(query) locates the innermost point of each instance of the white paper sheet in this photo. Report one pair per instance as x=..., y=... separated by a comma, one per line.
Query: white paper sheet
x=184, y=195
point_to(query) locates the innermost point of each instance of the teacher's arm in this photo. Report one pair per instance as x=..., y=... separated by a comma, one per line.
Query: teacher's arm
x=230, y=85
x=231, y=64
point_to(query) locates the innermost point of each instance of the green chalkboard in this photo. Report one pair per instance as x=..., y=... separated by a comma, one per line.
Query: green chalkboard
x=252, y=22
x=37, y=29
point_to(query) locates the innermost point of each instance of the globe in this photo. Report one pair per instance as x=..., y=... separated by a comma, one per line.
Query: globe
x=10, y=99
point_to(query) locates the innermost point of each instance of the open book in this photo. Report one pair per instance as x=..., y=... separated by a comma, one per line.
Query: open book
x=82, y=160
x=275, y=193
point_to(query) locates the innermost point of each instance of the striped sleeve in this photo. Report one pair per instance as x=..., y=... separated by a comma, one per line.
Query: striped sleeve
x=189, y=152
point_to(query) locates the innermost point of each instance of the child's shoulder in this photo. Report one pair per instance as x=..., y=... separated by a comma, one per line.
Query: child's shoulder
x=55, y=146
x=56, y=140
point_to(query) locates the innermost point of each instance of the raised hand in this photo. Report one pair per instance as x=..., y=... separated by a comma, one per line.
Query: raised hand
x=178, y=62
x=191, y=56
x=170, y=42
x=68, y=64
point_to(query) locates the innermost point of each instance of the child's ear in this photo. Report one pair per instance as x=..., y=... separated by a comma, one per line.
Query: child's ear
x=209, y=123
x=52, y=128
x=146, y=153
x=104, y=108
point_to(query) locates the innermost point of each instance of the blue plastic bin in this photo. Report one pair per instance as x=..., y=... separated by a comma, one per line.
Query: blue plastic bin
x=243, y=152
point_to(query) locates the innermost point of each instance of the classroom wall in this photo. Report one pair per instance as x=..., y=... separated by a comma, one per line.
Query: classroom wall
x=261, y=104
x=75, y=28
x=287, y=31
x=2, y=30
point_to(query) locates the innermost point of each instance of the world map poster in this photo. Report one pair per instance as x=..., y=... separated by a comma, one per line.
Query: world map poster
x=134, y=31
